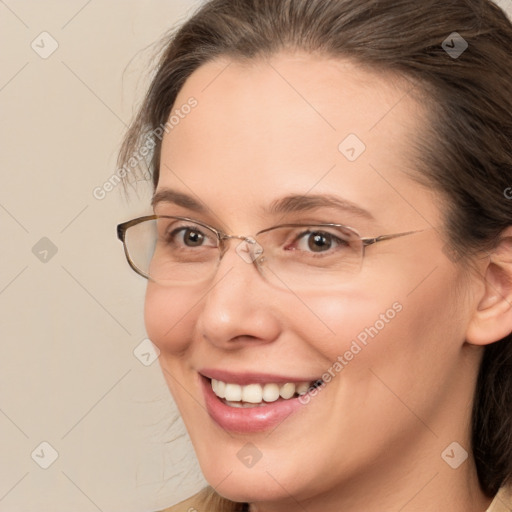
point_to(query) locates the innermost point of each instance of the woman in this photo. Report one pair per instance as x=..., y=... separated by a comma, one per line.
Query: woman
x=329, y=261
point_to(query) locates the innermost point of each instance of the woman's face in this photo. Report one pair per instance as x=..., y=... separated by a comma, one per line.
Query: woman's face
x=289, y=132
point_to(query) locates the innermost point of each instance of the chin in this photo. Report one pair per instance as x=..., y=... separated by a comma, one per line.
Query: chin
x=272, y=478
x=245, y=486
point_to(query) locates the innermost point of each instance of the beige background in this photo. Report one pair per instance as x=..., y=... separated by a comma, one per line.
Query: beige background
x=71, y=322
x=68, y=375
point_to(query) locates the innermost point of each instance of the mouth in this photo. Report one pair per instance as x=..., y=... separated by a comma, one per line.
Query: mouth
x=252, y=403
x=259, y=395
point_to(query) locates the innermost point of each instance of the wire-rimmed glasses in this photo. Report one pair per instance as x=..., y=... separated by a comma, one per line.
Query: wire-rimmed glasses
x=173, y=250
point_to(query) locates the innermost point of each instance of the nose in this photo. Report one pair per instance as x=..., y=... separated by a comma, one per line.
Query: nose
x=239, y=307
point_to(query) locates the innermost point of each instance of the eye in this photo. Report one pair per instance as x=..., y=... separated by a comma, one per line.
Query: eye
x=191, y=236
x=319, y=241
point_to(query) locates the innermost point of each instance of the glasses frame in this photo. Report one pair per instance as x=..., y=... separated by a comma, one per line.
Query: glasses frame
x=222, y=237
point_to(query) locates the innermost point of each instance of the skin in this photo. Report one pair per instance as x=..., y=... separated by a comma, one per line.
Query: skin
x=372, y=439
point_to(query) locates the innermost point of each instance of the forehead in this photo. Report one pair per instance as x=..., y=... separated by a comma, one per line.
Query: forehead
x=292, y=124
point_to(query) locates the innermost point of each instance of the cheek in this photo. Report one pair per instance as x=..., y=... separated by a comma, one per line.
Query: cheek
x=358, y=328
x=169, y=316
x=386, y=323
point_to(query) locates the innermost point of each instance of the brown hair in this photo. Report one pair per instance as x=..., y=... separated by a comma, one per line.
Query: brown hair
x=466, y=150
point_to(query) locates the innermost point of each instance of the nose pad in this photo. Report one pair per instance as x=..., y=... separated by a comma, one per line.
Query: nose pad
x=249, y=250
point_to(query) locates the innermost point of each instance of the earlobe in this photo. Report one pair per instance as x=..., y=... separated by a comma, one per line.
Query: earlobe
x=492, y=318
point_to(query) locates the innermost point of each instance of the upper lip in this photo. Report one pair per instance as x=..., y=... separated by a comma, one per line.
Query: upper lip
x=245, y=378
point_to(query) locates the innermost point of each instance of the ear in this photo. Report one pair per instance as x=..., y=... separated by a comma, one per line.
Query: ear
x=492, y=320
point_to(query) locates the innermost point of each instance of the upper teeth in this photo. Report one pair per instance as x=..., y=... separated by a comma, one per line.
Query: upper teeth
x=256, y=393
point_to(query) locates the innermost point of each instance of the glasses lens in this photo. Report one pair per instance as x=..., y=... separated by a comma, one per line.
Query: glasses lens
x=171, y=250
x=311, y=257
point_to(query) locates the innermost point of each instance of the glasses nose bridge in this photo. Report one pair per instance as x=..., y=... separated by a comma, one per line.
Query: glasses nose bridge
x=250, y=253
x=224, y=236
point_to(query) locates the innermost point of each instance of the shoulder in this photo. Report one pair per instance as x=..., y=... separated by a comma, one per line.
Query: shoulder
x=207, y=501
x=193, y=504
x=502, y=501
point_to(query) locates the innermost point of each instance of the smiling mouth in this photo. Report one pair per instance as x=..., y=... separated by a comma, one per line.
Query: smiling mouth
x=258, y=395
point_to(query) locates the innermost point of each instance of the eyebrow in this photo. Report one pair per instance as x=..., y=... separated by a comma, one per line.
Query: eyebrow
x=290, y=204
x=298, y=203
x=167, y=195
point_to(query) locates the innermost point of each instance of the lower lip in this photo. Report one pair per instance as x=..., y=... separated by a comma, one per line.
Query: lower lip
x=247, y=419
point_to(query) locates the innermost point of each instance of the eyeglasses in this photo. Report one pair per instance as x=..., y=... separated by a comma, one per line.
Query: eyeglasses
x=182, y=251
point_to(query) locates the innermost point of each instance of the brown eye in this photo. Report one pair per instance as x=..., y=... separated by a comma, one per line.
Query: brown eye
x=318, y=241
x=192, y=237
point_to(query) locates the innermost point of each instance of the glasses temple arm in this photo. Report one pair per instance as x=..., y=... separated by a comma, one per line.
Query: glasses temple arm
x=374, y=240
